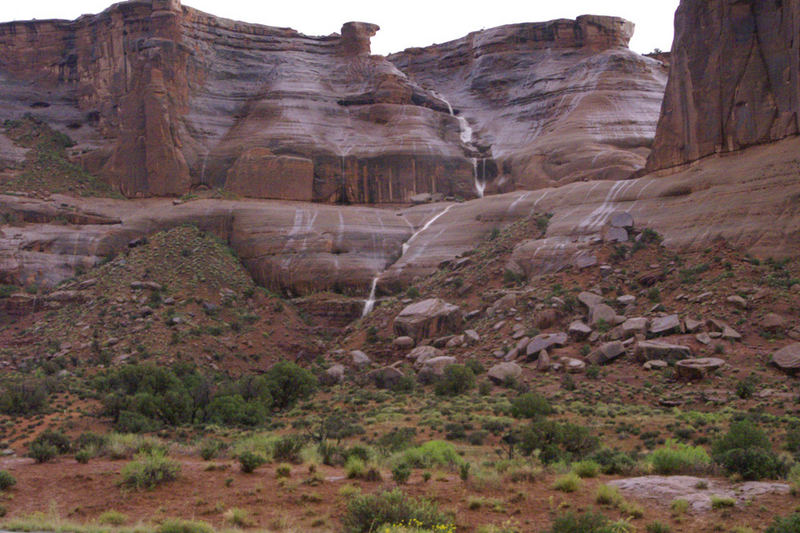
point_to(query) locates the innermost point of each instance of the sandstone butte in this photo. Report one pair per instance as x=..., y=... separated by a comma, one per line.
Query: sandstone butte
x=557, y=117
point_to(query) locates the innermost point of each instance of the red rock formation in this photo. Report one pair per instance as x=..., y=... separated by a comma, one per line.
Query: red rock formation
x=161, y=98
x=733, y=80
x=555, y=102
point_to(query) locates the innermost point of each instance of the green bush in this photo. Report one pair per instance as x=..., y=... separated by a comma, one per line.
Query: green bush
x=249, y=461
x=149, y=470
x=530, y=405
x=210, y=448
x=177, y=525
x=22, y=398
x=84, y=456
x=6, y=480
x=588, y=522
x=42, y=452
x=288, y=448
x=283, y=470
x=401, y=473
x=56, y=438
x=432, y=453
x=567, y=483
x=613, y=461
x=289, y=383
x=657, y=527
x=457, y=379
x=787, y=524
x=112, y=518
x=369, y=512
x=556, y=441
x=746, y=450
x=679, y=458
x=586, y=468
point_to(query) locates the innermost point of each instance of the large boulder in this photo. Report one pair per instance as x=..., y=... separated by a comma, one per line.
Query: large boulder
x=606, y=353
x=433, y=368
x=428, y=318
x=420, y=354
x=386, y=377
x=665, y=324
x=544, y=342
x=697, y=368
x=788, y=358
x=648, y=350
x=504, y=372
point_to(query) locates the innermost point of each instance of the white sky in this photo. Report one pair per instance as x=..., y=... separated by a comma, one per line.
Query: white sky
x=403, y=24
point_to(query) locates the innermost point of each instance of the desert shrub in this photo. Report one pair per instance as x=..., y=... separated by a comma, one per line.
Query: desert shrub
x=430, y=454
x=396, y=440
x=613, y=461
x=232, y=409
x=475, y=365
x=283, y=470
x=112, y=518
x=401, y=473
x=126, y=445
x=657, y=527
x=746, y=450
x=90, y=441
x=608, y=495
x=679, y=458
x=84, y=456
x=530, y=405
x=133, y=422
x=457, y=379
x=679, y=506
x=721, y=502
x=210, y=448
x=249, y=461
x=177, y=525
x=42, y=452
x=556, y=441
x=288, y=448
x=586, y=468
x=567, y=483
x=149, y=470
x=25, y=397
x=238, y=517
x=354, y=468
x=588, y=522
x=369, y=512
x=289, y=383
x=6, y=480
x=56, y=438
x=786, y=524
x=793, y=477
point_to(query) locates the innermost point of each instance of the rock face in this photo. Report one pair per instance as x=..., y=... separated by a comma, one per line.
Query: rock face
x=162, y=98
x=549, y=103
x=733, y=79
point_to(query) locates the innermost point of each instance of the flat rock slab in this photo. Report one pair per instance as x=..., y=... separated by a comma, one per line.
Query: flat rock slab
x=788, y=358
x=648, y=350
x=698, y=368
x=664, y=324
x=428, y=318
x=665, y=489
x=544, y=342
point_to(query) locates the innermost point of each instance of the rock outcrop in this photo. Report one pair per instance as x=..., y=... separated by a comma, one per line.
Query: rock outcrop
x=550, y=103
x=162, y=98
x=733, y=81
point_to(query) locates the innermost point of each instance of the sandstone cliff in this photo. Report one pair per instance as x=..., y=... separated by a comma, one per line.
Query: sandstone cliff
x=162, y=98
x=556, y=102
x=733, y=81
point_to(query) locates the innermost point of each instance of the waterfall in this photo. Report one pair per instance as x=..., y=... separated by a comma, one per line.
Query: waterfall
x=480, y=186
x=369, y=303
x=407, y=244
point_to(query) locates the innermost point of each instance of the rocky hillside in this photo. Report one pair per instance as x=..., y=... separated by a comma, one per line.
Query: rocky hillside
x=161, y=98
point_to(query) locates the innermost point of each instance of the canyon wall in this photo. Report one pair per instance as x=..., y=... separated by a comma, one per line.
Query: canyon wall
x=555, y=102
x=733, y=80
x=162, y=98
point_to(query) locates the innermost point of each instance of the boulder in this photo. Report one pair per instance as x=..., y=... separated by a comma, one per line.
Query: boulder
x=455, y=341
x=787, y=358
x=386, y=377
x=544, y=342
x=665, y=324
x=543, y=361
x=647, y=350
x=428, y=318
x=573, y=366
x=655, y=364
x=590, y=299
x=621, y=219
x=697, y=368
x=692, y=325
x=433, y=368
x=360, y=359
x=773, y=322
x=737, y=301
x=578, y=330
x=504, y=372
x=633, y=326
x=703, y=338
x=420, y=354
x=404, y=343
x=606, y=352
x=602, y=313
x=149, y=285
x=334, y=374
x=612, y=234
x=471, y=336
x=626, y=299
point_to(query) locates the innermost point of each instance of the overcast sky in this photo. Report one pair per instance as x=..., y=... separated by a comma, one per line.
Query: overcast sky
x=403, y=24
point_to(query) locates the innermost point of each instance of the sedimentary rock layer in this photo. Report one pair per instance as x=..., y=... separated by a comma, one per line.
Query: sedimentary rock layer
x=733, y=81
x=554, y=102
